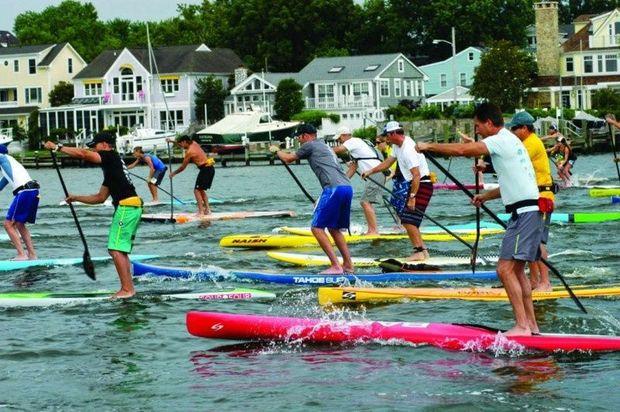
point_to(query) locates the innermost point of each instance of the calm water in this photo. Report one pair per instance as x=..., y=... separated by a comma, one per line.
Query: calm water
x=138, y=355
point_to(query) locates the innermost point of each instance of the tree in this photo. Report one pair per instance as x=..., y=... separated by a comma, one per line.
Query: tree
x=289, y=101
x=61, y=94
x=210, y=92
x=503, y=76
x=606, y=100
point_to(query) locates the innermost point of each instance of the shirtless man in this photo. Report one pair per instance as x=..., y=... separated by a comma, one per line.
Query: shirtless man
x=205, y=165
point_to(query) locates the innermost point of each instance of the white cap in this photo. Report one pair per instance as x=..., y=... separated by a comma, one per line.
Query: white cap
x=344, y=130
x=391, y=126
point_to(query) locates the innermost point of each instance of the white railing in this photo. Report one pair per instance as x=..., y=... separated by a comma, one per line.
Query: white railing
x=9, y=103
x=340, y=102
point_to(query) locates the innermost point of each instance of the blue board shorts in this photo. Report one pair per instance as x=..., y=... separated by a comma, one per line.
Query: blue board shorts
x=24, y=206
x=523, y=237
x=158, y=176
x=333, y=210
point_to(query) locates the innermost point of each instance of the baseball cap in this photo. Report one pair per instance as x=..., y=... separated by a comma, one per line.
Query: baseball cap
x=391, y=126
x=344, y=130
x=520, y=119
x=102, y=137
x=4, y=149
x=305, y=128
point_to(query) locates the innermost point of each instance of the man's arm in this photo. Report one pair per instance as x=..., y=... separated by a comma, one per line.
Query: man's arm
x=351, y=169
x=186, y=160
x=380, y=167
x=454, y=149
x=76, y=152
x=149, y=163
x=134, y=164
x=3, y=183
x=95, y=199
x=415, y=185
x=287, y=157
x=340, y=149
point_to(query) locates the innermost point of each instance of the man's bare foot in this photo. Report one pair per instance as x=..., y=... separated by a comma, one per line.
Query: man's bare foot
x=542, y=287
x=518, y=331
x=426, y=254
x=20, y=257
x=416, y=257
x=348, y=269
x=372, y=233
x=208, y=212
x=32, y=256
x=332, y=270
x=123, y=294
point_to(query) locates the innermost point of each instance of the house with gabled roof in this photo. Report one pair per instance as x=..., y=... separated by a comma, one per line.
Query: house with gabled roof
x=255, y=90
x=587, y=61
x=441, y=73
x=7, y=39
x=127, y=88
x=28, y=74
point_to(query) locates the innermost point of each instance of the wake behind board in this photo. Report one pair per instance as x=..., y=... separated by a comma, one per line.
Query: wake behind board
x=301, y=259
x=191, y=217
x=332, y=295
x=442, y=335
x=7, y=265
x=579, y=217
x=214, y=273
x=486, y=228
x=42, y=299
x=258, y=241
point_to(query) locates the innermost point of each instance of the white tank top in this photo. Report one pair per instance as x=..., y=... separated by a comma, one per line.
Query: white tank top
x=13, y=171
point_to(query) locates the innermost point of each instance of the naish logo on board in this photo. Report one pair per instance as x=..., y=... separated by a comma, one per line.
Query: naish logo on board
x=245, y=241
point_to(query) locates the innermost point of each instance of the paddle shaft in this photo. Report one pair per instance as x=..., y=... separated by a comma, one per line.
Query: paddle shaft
x=451, y=233
x=75, y=218
x=171, y=187
x=501, y=222
x=163, y=190
x=474, y=249
x=303, y=189
x=612, y=135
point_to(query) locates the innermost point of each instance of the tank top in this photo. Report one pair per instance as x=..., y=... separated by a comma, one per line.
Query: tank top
x=116, y=176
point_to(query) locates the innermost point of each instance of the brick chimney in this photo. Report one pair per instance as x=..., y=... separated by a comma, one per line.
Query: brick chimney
x=241, y=73
x=547, y=38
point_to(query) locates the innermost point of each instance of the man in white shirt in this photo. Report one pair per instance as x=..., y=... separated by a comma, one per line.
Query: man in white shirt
x=365, y=157
x=519, y=193
x=413, y=191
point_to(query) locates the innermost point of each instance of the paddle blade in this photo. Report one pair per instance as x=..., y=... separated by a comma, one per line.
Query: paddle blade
x=88, y=265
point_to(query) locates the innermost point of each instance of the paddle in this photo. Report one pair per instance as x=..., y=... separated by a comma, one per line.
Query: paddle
x=612, y=134
x=87, y=263
x=474, y=249
x=457, y=237
x=501, y=222
x=171, y=191
x=163, y=190
x=303, y=189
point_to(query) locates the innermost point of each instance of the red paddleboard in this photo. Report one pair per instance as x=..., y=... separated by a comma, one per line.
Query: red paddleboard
x=442, y=335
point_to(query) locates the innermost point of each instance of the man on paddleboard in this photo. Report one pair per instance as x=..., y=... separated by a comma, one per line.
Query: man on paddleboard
x=157, y=169
x=206, y=171
x=412, y=190
x=519, y=193
x=522, y=125
x=24, y=205
x=365, y=156
x=333, y=209
x=127, y=204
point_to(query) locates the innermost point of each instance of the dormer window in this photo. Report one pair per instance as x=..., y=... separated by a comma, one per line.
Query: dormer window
x=470, y=56
x=336, y=69
x=401, y=66
x=126, y=71
x=371, y=68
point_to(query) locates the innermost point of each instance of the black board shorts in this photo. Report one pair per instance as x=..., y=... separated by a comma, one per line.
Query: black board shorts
x=205, y=177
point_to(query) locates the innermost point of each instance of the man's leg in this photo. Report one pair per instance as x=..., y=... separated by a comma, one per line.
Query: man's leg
x=416, y=240
x=341, y=244
x=199, y=202
x=371, y=218
x=205, y=200
x=153, y=190
x=526, y=294
x=123, y=268
x=325, y=243
x=9, y=226
x=25, y=234
x=507, y=272
x=544, y=283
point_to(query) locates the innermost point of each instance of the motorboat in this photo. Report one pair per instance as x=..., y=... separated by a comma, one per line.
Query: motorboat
x=148, y=139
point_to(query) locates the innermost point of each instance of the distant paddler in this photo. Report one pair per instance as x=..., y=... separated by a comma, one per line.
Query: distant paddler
x=413, y=188
x=206, y=170
x=519, y=193
x=364, y=157
x=157, y=169
x=24, y=206
x=127, y=204
x=333, y=209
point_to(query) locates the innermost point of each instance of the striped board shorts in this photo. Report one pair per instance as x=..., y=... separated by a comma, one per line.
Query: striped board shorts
x=422, y=199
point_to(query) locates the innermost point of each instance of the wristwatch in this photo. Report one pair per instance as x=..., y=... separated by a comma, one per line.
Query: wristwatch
x=58, y=147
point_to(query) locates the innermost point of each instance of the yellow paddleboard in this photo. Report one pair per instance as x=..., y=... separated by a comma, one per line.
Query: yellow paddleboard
x=304, y=231
x=604, y=192
x=329, y=295
x=301, y=259
x=281, y=241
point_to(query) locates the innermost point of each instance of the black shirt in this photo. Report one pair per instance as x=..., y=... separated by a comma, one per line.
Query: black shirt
x=116, y=176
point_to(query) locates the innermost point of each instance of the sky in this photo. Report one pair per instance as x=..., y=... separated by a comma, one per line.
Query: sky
x=144, y=10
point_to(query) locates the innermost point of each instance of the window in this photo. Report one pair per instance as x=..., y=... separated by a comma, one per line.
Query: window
x=372, y=67
x=401, y=66
x=93, y=89
x=169, y=85
x=257, y=84
x=384, y=87
x=587, y=64
x=126, y=71
x=70, y=65
x=419, y=87
x=33, y=95
x=115, y=81
x=414, y=87
x=470, y=56
x=32, y=66
x=138, y=83
x=599, y=60
x=566, y=98
x=360, y=89
x=397, y=88
x=176, y=119
x=336, y=69
x=15, y=66
x=611, y=63
x=569, y=64
x=406, y=88
x=462, y=79
x=443, y=80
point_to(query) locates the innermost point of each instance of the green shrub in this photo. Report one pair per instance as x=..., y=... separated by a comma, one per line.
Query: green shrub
x=314, y=117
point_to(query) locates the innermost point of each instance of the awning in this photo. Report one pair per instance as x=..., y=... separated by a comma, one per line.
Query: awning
x=16, y=111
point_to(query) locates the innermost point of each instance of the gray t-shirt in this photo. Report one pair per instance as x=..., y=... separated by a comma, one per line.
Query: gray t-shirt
x=324, y=163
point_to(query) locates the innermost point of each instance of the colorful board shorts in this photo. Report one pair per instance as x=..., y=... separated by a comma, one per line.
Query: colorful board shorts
x=333, y=210
x=24, y=206
x=400, y=194
x=205, y=177
x=523, y=237
x=158, y=176
x=124, y=226
x=372, y=191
